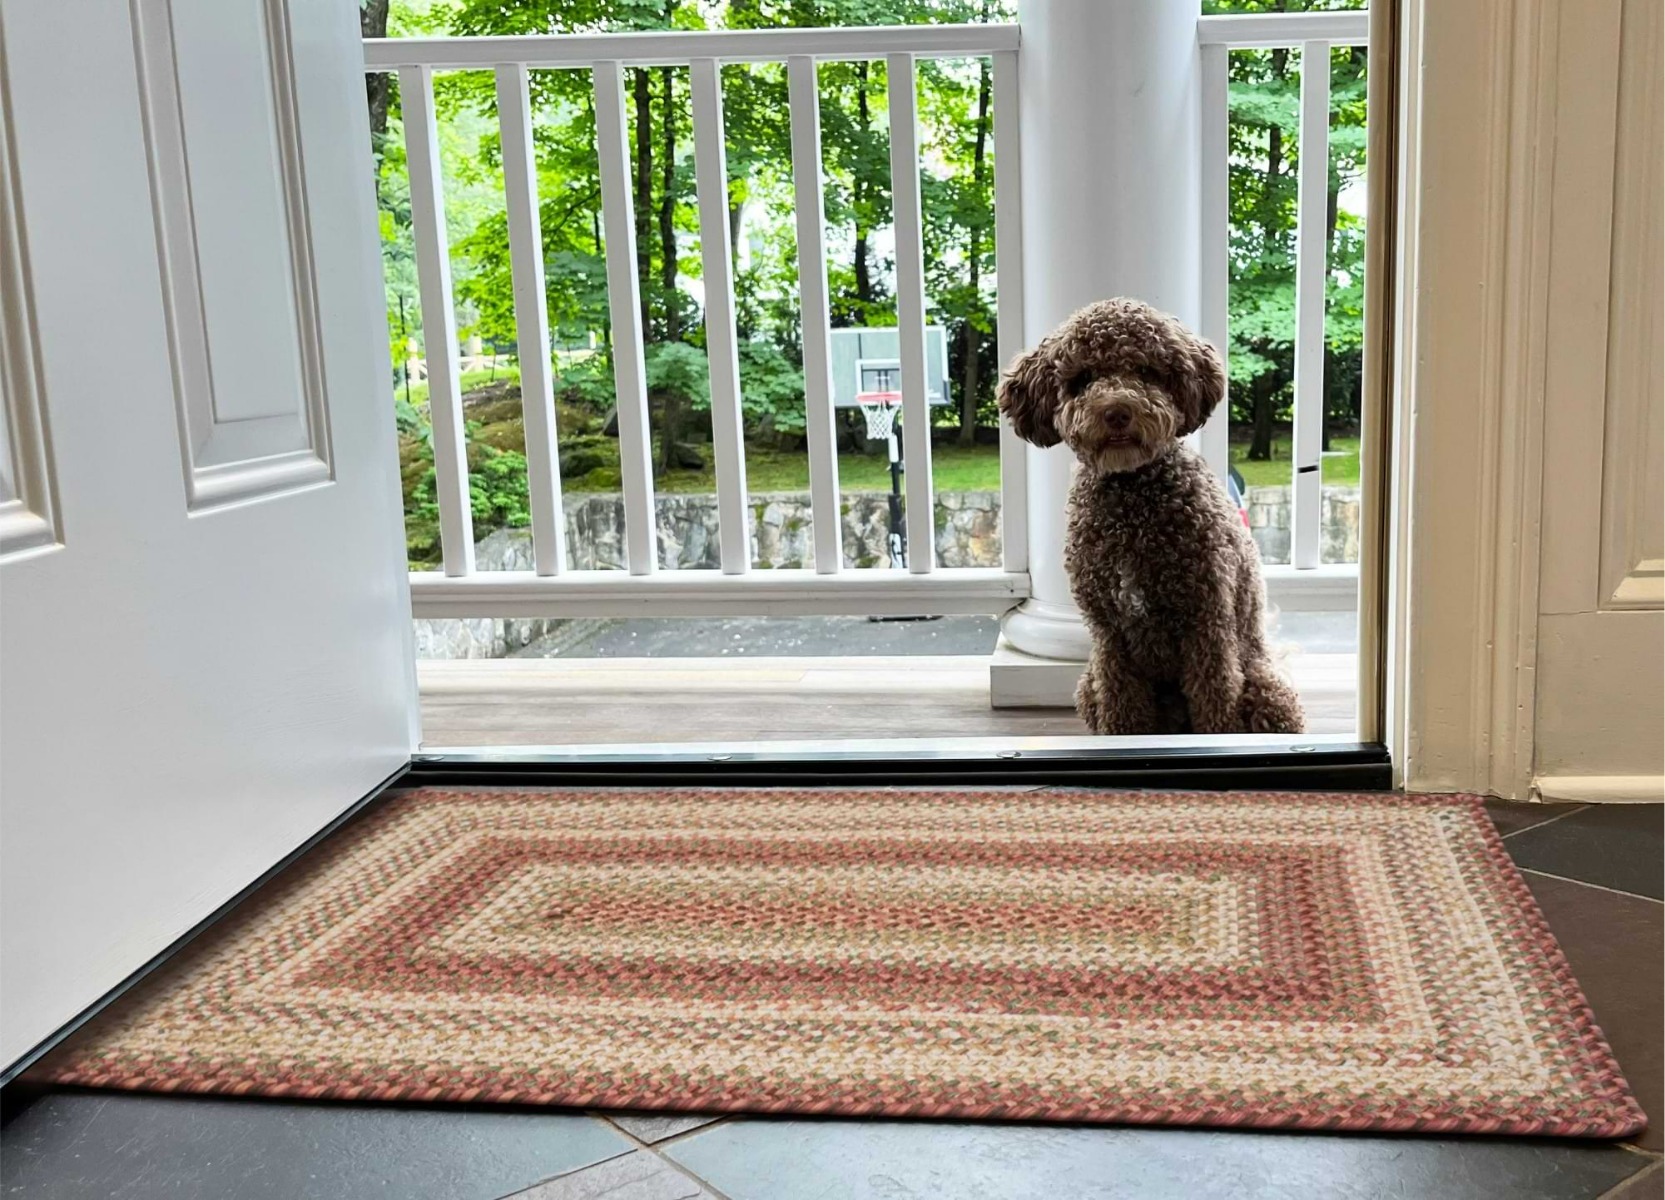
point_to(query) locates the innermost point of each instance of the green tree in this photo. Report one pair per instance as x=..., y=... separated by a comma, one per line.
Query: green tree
x=1265, y=159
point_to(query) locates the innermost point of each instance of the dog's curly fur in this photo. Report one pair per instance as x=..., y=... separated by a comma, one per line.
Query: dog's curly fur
x=1158, y=559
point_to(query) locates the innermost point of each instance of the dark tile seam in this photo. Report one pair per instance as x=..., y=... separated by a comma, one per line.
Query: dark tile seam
x=1652, y=1155
x=653, y=1149
x=1617, y=1188
x=1588, y=884
x=1547, y=821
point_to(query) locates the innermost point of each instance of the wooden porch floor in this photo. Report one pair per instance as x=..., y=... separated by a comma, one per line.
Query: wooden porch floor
x=621, y=701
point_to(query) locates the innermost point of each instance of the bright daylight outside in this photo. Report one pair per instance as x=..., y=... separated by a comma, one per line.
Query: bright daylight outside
x=619, y=677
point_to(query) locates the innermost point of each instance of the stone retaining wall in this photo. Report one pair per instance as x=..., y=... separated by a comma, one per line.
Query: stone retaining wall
x=967, y=535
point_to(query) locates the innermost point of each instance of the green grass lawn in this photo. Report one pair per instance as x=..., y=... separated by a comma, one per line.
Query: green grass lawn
x=1340, y=469
x=471, y=381
x=953, y=469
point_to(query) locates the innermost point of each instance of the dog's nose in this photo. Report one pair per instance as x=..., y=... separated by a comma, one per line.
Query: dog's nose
x=1118, y=420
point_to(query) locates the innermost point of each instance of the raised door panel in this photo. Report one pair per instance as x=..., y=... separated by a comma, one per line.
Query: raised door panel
x=1633, y=475
x=239, y=277
x=28, y=489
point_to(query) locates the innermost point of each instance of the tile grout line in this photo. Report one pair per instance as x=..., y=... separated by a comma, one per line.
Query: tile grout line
x=1652, y=1169
x=566, y=1174
x=1547, y=821
x=652, y=1148
x=1586, y=883
x=686, y=1134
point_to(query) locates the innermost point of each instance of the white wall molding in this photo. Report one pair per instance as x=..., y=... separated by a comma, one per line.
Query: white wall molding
x=1599, y=789
x=253, y=415
x=1528, y=368
x=29, y=522
x=1477, y=102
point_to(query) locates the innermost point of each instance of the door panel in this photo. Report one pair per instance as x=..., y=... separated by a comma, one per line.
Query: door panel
x=1600, y=699
x=201, y=666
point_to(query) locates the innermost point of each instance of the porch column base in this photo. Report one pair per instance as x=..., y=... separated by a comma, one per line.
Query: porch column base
x=1021, y=680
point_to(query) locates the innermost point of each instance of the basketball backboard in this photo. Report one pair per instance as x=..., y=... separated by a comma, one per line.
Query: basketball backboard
x=869, y=360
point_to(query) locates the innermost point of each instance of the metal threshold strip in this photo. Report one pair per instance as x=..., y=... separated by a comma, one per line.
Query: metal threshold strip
x=1245, y=762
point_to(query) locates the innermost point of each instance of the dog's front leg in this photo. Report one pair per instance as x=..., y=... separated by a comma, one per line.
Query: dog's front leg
x=1212, y=679
x=1111, y=699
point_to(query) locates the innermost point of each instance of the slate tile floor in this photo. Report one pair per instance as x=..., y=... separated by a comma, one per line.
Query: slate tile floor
x=1595, y=870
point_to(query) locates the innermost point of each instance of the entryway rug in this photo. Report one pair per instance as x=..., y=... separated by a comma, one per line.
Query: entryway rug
x=1361, y=962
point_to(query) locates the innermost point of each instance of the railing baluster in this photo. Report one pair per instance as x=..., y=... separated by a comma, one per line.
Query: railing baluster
x=537, y=399
x=1312, y=190
x=816, y=316
x=727, y=431
x=1215, y=180
x=1008, y=265
x=439, y=327
x=624, y=305
x=910, y=311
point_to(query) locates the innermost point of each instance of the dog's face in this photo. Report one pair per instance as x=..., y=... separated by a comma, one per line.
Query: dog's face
x=1118, y=383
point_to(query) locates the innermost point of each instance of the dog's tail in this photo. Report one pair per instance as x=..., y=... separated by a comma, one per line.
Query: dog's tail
x=1269, y=704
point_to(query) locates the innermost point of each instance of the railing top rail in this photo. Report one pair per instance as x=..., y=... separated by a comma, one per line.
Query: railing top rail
x=1264, y=31
x=679, y=47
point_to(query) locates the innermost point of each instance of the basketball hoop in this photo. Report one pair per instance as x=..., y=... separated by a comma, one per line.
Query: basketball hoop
x=879, y=410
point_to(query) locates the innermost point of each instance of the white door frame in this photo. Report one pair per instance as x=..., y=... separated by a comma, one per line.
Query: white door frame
x=1479, y=328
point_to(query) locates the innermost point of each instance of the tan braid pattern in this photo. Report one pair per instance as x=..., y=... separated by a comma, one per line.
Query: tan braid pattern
x=1358, y=962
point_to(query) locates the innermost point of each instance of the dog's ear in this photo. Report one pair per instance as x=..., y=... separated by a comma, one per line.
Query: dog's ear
x=1028, y=395
x=1199, y=384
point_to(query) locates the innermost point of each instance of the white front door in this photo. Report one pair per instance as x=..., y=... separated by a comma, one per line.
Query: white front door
x=204, y=611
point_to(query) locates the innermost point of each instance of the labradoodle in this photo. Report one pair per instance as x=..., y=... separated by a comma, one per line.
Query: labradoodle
x=1159, y=562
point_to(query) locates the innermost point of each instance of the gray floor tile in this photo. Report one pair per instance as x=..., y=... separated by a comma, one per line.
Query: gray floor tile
x=888, y=1160
x=1646, y=1184
x=1617, y=846
x=123, y=1146
x=638, y=1175
x=656, y=1127
x=1516, y=816
x=1616, y=947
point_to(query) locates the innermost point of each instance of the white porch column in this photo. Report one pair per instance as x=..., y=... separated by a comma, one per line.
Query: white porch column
x=1111, y=135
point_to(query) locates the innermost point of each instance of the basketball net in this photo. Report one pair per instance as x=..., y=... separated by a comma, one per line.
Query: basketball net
x=879, y=410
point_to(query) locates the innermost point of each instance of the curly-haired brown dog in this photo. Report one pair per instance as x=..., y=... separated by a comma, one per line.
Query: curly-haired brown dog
x=1159, y=562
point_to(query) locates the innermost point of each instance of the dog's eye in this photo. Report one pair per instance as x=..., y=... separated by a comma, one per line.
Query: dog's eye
x=1078, y=383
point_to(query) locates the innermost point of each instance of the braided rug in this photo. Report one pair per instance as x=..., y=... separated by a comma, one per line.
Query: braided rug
x=1333, y=962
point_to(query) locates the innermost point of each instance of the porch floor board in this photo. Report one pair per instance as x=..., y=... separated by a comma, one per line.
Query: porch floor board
x=624, y=701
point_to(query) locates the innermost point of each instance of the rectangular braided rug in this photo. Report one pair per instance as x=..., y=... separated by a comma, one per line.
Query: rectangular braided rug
x=1331, y=962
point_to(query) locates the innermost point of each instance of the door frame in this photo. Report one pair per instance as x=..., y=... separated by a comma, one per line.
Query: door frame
x=1482, y=321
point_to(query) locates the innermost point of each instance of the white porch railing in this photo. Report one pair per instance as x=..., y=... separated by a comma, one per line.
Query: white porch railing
x=551, y=588
x=1314, y=33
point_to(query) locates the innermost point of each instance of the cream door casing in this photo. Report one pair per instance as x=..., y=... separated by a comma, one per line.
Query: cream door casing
x=204, y=611
x=1600, y=721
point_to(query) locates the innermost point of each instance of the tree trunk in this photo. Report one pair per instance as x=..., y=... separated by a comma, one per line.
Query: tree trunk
x=1274, y=153
x=670, y=426
x=1331, y=203
x=378, y=85
x=859, y=195
x=970, y=382
x=644, y=192
x=1263, y=391
x=1263, y=395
